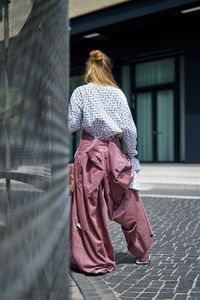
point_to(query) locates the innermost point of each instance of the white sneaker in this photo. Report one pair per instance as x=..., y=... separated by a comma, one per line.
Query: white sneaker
x=139, y=262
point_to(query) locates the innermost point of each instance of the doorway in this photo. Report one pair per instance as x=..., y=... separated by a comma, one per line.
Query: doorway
x=155, y=108
x=155, y=125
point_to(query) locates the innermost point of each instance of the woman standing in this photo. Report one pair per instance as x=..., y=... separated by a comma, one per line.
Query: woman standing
x=102, y=172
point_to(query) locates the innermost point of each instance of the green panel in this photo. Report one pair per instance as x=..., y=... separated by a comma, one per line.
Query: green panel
x=144, y=126
x=182, y=109
x=155, y=72
x=165, y=125
x=126, y=82
x=78, y=137
x=75, y=81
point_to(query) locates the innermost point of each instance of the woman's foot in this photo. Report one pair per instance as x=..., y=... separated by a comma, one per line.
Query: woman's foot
x=144, y=259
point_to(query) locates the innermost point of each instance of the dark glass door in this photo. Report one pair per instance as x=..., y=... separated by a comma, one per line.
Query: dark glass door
x=155, y=125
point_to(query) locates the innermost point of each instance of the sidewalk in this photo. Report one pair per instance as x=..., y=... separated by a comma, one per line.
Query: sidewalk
x=170, y=176
x=174, y=271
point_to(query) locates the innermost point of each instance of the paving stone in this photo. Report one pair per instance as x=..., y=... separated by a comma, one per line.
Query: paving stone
x=195, y=294
x=148, y=295
x=152, y=290
x=130, y=294
x=170, y=284
x=196, y=289
x=122, y=287
x=167, y=290
x=157, y=283
x=164, y=296
x=180, y=297
x=183, y=290
x=127, y=298
x=116, y=278
x=142, y=298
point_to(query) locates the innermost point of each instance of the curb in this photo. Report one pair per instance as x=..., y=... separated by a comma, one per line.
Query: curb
x=90, y=291
x=75, y=293
x=169, y=185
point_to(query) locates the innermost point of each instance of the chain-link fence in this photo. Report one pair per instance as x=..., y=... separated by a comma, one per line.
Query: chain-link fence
x=34, y=204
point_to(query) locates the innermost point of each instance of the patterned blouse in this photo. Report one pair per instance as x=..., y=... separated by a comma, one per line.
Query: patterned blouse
x=103, y=112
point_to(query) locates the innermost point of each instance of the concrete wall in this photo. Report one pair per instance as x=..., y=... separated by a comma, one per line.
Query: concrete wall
x=80, y=7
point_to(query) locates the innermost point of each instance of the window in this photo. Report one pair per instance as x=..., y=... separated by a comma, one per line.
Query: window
x=155, y=72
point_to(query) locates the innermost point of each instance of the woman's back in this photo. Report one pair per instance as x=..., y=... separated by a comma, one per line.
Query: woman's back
x=102, y=110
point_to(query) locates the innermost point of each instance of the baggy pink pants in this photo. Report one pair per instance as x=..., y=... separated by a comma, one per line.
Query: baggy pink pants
x=91, y=247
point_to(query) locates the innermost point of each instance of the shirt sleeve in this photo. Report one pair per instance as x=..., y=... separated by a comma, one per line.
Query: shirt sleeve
x=75, y=111
x=129, y=136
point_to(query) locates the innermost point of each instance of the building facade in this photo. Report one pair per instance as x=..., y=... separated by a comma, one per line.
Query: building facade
x=156, y=54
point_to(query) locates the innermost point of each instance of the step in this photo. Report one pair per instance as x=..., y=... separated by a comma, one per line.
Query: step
x=170, y=172
x=166, y=176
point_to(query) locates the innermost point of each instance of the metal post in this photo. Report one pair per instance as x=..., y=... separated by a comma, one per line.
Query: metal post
x=7, y=95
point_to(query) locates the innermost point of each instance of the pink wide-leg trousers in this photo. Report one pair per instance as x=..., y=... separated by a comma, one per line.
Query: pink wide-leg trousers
x=91, y=247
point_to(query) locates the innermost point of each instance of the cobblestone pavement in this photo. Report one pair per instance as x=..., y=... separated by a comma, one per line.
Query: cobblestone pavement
x=174, y=271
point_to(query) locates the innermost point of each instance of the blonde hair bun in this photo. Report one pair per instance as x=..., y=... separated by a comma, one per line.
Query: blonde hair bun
x=97, y=55
x=99, y=69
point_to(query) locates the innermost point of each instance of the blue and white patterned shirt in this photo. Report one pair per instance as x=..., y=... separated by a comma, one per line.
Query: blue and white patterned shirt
x=103, y=112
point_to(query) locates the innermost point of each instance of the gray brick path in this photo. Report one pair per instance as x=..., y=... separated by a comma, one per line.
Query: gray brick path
x=174, y=272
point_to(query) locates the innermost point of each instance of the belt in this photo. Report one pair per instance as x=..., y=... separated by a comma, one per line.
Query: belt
x=89, y=137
